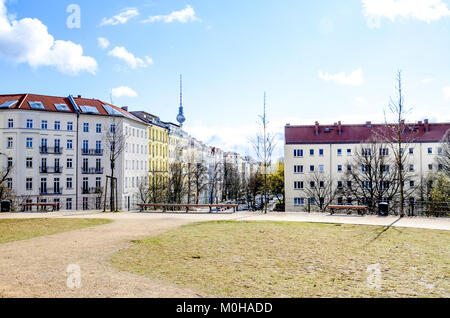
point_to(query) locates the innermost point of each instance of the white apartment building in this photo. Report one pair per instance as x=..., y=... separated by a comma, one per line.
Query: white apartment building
x=328, y=150
x=59, y=152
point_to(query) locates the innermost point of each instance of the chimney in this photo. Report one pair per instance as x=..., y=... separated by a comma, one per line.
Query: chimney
x=125, y=108
x=316, y=128
x=79, y=96
x=427, y=126
x=339, y=128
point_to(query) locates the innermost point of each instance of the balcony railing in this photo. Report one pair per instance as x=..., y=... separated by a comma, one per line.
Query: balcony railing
x=50, y=150
x=93, y=190
x=92, y=152
x=50, y=191
x=45, y=169
x=92, y=171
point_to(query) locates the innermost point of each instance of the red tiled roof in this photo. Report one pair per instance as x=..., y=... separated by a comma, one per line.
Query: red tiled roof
x=359, y=133
x=49, y=101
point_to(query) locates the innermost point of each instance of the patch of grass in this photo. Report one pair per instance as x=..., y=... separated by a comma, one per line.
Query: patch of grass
x=291, y=259
x=22, y=229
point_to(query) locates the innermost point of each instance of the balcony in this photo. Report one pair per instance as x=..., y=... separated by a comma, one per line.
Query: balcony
x=94, y=190
x=50, y=191
x=50, y=150
x=92, y=170
x=92, y=152
x=45, y=169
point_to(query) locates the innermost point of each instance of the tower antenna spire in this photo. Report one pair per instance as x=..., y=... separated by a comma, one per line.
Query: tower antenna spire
x=180, y=118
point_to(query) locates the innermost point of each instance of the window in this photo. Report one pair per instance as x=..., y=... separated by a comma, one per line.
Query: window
x=367, y=152
x=86, y=127
x=299, y=201
x=440, y=167
x=112, y=128
x=62, y=107
x=69, y=163
x=349, y=152
x=89, y=109
x=411, y=151
x=69, y=204
x=321, y=168
x=339, y=168
x=298, y=169
x=311, y=168
x=384, y=152
x=311, y=152
x=411, y=167
x=98, y=182
x=321, y=184
x=384, y=168
x=29, y=184
x=98, y=145
x=98, y=128
x=10, y=162
x=9, y=183
x=29, y=162
x=349, y=167
x=430, y=167
x=430, y=150
x=10, y=142
x=298, y=185
x=69, y=144
x=43, y=188
x=440, y=151
x=57, y=144
x=312, y=184
x=349, y=185
x=411, y=184
x=56, y=186
x=339, y=184
x=10, y=123
x=69, y=183
x=320, y=152
x=36, y=105
x=29, y=142
x=57, y=125
x=85, y=145
x=29, y=123
x=69, y=126
x=112, y=111
x=339, y=152
x=44, y=125
x=367, y=185
x=8, y=104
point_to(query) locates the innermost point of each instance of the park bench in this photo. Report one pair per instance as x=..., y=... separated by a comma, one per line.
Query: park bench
x=361, y=209
x=54, y=206
x=186, y=207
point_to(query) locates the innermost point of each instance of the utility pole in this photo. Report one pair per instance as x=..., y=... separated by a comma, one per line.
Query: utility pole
x=265, y=155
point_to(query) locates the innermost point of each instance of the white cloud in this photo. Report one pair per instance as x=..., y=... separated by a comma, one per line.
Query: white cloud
x=427, y=80
x=355, y=78
x=423, y=10
x=361, y=101
x=121, y=18
x=28, y=41
x=103, y=43
x=121, y=52
x=123, y=91
x=183, y=16
x=446, y=91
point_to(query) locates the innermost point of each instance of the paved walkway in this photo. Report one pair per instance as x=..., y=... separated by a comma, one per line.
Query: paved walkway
x=37, y=267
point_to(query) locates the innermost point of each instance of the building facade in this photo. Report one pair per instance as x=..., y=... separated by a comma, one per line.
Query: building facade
x=321, y=155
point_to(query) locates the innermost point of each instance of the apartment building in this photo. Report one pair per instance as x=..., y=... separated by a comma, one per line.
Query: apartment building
x=59, y=150
x=329, y=150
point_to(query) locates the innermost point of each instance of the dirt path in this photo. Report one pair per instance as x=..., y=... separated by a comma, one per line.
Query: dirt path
x=37, y=267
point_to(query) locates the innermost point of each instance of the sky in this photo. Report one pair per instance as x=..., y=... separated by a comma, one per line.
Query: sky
x=323, y=60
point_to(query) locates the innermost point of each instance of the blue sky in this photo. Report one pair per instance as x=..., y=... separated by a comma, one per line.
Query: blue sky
x=324, y=60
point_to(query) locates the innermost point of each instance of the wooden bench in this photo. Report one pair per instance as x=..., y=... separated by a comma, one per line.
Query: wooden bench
x=54, y=206
x=185, y=207
x=361, y=209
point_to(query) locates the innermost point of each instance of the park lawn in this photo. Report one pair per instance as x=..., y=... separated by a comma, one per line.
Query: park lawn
x=22, y=229
x=293, y=259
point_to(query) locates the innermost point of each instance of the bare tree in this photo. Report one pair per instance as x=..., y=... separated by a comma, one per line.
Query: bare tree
x=5, y=174
x=214, y=180
x=115, y=139
x=143, y=191
x=157, y=187
x=232, y=181
x=176, y=184
x=263, y=145
x=398, y=136
x=371, y=175
x=320, y=189
x=252, y=188
x=199, y=179
x=443, y=159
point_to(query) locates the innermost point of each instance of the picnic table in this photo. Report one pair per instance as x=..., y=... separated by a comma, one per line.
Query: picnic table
x=185, y=207
x=361, y=209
